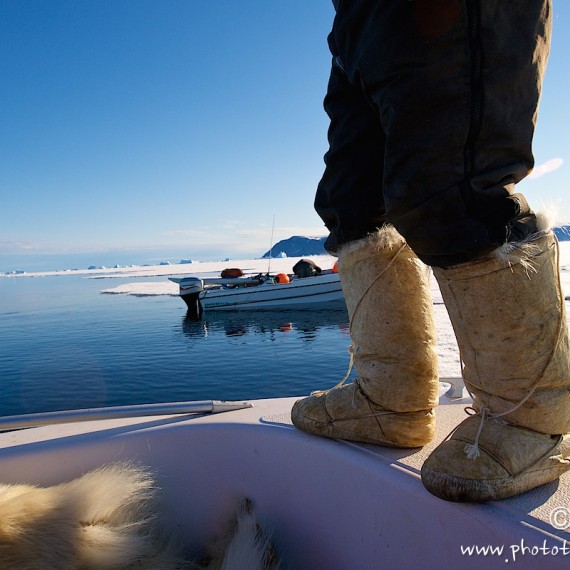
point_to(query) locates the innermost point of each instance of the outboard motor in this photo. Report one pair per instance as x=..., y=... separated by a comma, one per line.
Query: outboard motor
x=190, y=289
x=194, y=312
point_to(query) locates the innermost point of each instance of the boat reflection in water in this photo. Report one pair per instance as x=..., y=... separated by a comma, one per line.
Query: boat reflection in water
x=264, y=353
x=306, y=323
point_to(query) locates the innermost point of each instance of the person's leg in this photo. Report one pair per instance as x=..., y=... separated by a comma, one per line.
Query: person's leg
x=459, y=113
x=385, y=286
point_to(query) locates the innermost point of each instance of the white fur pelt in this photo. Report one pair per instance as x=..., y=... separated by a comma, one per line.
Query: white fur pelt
x=102, y=520
x=245, y=546
x=106, y=520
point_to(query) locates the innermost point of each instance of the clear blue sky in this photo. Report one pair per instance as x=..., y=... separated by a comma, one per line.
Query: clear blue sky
x=179, y=128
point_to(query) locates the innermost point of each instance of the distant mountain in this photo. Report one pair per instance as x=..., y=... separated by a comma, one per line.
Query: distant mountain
x=562, y=233
x=297, y=246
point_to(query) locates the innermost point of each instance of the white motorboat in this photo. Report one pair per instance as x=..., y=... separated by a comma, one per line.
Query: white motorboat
x=260, y=292
x=327, y=504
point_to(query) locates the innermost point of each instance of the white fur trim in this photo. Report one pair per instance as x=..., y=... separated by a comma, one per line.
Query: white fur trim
x=385, y=238
x=546, y=219
x=523, y=251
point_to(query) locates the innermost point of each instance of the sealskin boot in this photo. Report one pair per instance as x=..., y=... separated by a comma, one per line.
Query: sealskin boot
x=508, y=315
x=387, y=293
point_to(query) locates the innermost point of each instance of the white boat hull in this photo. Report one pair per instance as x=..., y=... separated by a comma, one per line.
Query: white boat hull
x=320, y=292
x=328, y=504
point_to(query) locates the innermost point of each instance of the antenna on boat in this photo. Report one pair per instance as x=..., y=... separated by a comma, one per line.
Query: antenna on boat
x=271, y=245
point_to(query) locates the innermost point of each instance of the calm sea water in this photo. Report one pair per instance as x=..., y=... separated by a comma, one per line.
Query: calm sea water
x=65, y=345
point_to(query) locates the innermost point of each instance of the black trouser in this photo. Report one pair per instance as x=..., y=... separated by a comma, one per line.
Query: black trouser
x=432, y=106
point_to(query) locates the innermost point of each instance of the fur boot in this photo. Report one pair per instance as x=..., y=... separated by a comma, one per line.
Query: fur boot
x=508, y=315
x=388, y=297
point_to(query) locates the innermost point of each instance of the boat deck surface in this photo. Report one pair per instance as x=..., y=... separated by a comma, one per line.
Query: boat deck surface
x=328, y=502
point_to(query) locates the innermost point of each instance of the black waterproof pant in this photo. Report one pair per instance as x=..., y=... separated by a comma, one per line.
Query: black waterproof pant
x=432, y=105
